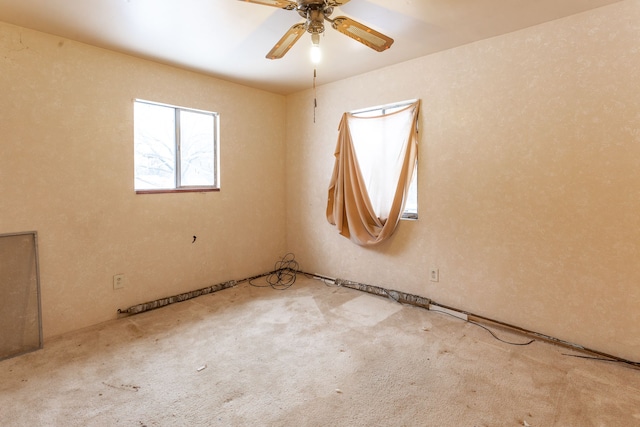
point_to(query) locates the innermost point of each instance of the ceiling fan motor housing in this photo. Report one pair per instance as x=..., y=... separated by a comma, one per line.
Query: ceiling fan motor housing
x=315, y=12
x=315, y=21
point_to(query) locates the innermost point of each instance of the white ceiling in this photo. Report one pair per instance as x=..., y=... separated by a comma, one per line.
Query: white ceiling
x=230, y=38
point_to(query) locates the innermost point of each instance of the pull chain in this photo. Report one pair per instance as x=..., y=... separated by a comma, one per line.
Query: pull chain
x=315, y=99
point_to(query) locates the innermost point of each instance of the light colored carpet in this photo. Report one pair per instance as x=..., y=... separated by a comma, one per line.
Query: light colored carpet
x=312, y=355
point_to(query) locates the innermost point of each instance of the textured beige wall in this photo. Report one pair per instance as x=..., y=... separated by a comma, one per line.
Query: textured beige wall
x=66, y=170
x=529, y=179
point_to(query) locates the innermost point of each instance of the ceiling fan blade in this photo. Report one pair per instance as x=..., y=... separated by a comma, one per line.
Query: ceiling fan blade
x=285, y=43
x=360, y=32
x=283, y=4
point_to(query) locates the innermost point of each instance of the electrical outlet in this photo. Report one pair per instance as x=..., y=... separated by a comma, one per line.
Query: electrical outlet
x=118, y=281
x=434, y=275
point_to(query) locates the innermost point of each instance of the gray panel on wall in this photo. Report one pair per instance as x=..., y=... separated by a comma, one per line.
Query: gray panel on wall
x=20, y=317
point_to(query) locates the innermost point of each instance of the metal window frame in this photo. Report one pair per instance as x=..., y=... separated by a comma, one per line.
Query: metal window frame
x=178, y=187
x=383, y=109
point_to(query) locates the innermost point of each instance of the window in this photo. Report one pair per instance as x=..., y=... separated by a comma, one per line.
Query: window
x=175, y=149
x=411, y=204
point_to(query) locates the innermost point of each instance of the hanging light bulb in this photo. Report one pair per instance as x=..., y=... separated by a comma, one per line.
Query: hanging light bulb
x=316, y=53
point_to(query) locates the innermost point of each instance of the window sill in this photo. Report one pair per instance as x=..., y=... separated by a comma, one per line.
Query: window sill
x=179, y=190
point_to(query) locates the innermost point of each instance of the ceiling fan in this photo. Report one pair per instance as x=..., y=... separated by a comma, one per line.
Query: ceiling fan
x=315, y=12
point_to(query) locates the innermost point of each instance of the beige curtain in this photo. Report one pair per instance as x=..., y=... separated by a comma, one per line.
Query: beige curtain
x=367, y=194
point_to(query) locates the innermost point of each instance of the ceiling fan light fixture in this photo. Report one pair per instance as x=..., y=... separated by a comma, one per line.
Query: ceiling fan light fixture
x=316, y=53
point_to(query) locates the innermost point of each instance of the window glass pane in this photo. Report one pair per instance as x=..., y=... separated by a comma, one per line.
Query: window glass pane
x=380, y=153
x=377, y=155
x=154, y=142
x=196, y=149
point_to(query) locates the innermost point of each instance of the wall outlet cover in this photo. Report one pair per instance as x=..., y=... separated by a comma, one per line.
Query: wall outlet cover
x=118, y=281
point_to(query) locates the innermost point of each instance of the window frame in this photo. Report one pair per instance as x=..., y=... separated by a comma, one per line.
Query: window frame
x=382, y=110
x=177, y=172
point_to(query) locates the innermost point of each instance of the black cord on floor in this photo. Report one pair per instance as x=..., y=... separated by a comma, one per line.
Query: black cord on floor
x=498, y=338
x=485, y=328
x=283, y=276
